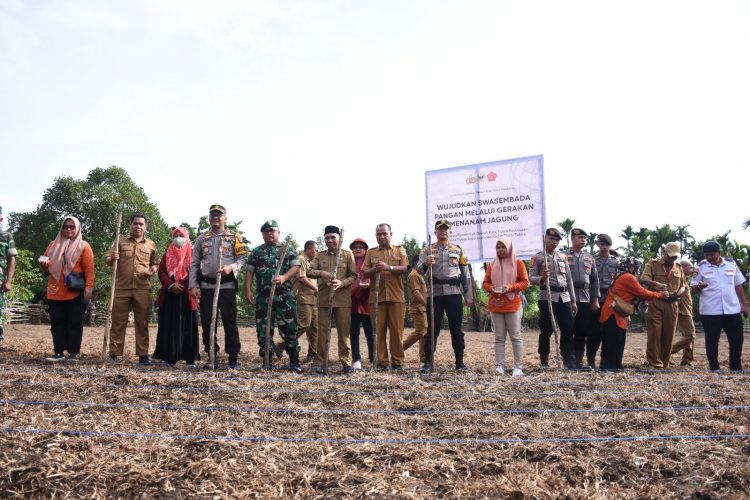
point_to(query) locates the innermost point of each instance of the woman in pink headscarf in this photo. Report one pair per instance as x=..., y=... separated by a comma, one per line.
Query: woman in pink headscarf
x=177, y=336
x=70, y=262
x=504, y=280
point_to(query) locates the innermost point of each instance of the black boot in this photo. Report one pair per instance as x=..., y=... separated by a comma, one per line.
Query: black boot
x=544, y=361
x=294, y=362
x=232, y=363
x=460, y=361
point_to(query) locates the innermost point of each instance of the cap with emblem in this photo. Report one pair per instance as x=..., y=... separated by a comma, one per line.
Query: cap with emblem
x=672, y=249
x=604, y=238
x=711, y=246
x=553, y=232
x=442, y=224
x=268, y=225
x=331, y=230
x=578, y=232
x=217, y=208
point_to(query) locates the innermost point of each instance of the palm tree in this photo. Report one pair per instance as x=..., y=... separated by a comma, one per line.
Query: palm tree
x=566, y=227
x=592, y=241
x=746, y=224
x=684, y=237
x=627, y=234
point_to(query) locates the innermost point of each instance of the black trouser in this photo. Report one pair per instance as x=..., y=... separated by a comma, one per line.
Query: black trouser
x=362, y=320
x=564, y=316
x=582, y=328
x=228, y=309
x=66, y=323
x=595, y=335
x=453, y=306
x=613, y=345
x=730, y=323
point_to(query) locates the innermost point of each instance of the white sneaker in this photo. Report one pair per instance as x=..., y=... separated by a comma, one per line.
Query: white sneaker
x=500, y=370
x=357, y=365
x=517, y=372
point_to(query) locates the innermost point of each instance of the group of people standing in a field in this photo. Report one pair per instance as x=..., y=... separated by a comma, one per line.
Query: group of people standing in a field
x=588, y=298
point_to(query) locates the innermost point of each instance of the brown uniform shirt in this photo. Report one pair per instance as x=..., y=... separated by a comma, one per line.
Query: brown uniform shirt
x=304, y=294
x=654, y=271
x=391, y=285
x=416, y=283
x=346, y=272
x=135, y=259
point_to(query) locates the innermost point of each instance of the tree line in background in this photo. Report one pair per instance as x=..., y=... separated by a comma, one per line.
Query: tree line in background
x=97, y=199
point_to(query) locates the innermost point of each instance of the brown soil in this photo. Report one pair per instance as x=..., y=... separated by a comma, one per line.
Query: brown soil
x=173, y=431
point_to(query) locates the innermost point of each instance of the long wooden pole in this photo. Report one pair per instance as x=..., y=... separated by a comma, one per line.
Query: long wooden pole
x=555, y=331
x=331, y=293
x=269, y=314
x=375, y=319
x=432, y=309
x=108, y=324
x=215, y=306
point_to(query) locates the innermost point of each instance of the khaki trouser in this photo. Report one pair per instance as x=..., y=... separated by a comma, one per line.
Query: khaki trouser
x=343, y=318
x=686, y=325
x=661, y=322
x=307, y=323
x=140, y=300
x=390, y=317
x=420, y=330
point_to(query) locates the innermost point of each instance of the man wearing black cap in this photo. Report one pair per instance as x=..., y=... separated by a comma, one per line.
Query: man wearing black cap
x=261, y=264
x=561, y=287
x=586, y=283
x=450, y=276
x=341, y=279
x=606, y=269
x=722, y=304
x=203, y=273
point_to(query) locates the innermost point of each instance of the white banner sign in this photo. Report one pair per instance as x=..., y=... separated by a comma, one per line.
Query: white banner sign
x=489, y=200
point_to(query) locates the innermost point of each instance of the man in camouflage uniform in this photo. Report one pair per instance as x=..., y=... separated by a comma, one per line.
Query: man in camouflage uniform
x=606, y=269
x=203, y=273
x=586, y=283
x=261, y=264
x=563, y=307
x=7, y=266
x=450, y=275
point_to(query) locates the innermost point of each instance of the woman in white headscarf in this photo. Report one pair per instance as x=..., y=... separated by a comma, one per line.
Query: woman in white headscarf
x=70, y=262
x=504, y=280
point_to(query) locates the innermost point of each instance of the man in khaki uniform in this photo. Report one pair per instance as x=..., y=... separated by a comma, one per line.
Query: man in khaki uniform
x=661, y=317
x=417, y=308
x=391, y=262
x=137, y=262
x=685, y=322
x=307, y=293
x=341, y=278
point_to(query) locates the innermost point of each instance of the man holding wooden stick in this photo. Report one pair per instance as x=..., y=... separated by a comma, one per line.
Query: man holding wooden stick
x=339, y=278
x=203, y=272
x=263, y=263
x=390, y=262
x=136, y=261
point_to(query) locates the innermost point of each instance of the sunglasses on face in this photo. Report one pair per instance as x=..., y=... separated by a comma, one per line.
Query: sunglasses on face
x=68, y=227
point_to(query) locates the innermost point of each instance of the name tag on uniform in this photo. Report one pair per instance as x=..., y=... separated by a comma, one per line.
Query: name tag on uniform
x=729, y=272
x=708, y=274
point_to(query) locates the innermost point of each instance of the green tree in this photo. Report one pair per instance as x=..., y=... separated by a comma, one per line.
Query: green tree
x=566, y=226
x=627, y=234
x=592, y=241
x=28, y=281
x=95, y=201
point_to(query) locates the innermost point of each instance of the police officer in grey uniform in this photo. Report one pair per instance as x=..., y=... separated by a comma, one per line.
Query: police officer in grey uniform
x=561, y=286
x=606, y=269
x=586, y=283
x=450, y=275
x=203, y=273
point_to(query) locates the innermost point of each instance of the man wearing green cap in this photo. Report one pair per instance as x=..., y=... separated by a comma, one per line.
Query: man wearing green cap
x=262, y=264
x=7, y=266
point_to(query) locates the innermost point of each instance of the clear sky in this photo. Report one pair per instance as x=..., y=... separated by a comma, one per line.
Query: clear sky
x=329, y=112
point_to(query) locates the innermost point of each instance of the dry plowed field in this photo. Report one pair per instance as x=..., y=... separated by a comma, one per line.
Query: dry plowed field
x=98, y=428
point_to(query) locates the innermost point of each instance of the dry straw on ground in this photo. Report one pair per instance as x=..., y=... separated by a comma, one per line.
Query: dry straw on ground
x=114, y=429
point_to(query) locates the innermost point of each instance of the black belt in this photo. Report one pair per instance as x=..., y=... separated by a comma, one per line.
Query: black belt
x=224, y=279
x=449, y=281
x=603, y=291
x=580, y=287
x=560, y=289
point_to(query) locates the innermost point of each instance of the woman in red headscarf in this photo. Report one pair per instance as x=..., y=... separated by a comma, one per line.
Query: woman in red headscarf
x=177, y=336
x=505, y=279
x=70, y=262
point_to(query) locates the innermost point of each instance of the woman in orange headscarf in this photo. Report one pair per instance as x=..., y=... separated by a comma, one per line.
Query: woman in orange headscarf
x=70, y=262
x=505, y=279
x=177, y=336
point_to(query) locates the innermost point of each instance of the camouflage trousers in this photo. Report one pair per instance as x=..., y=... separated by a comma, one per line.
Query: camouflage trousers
x=284, y=315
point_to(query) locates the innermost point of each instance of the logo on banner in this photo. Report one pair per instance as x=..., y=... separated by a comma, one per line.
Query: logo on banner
x=481, y=178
